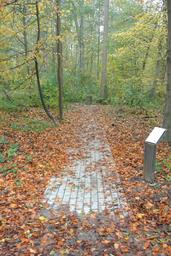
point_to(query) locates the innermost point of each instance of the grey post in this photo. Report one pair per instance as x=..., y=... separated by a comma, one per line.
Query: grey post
x=150, y=152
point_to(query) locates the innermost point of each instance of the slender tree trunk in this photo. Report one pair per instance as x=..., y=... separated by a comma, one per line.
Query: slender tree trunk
x=98, y=42
x=80, y=33
x=7, y=95
x=91, y=63
x=167, y=115
x=157, y=71
x=37, y=67
x=76, y=58
x=148, y=48
x=103, y=91
x=163, y=77
x=163, y=73
x=59, y=59
x=91, y=57
x=25, y=35
x=53, y=49
x=26, y=46
x=77, y=49
x=81, y=40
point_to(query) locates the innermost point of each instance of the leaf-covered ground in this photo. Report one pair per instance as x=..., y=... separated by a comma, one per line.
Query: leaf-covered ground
x=150, y=204
x=32, y=151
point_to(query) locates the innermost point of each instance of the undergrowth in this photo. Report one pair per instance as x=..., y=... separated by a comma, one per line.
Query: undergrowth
x=28, y=124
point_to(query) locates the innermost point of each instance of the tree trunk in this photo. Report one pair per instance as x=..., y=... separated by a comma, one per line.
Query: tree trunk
x=148, y=48
x=103, y=91
x=79, y=25
x=98, y=42
x=25, y=36
x=81, y=39
x=37, y=67
x=167, y=115
x=59, y=59
x=157, y=71
x=26, y=46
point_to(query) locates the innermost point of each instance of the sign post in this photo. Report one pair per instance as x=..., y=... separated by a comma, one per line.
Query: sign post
x=150, y=152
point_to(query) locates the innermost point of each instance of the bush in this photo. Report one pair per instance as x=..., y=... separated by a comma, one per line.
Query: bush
x=78, y=87
x=19, y=101
x=31, y=125
x=134, y=95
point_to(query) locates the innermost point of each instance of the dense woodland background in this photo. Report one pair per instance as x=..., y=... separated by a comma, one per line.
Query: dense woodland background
x=87, y=50
x=136, y=67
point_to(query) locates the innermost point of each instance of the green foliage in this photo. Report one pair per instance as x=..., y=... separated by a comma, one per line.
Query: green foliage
x=19, y=101
x=18, y=182
x=7, y=158
x=137, y=56
x=134, y=96
x=29, y=158
x=28, y=125
x=12, y=151
x=79, y=86
x=9, y=106
x=164, y=167
x=3, y=140
x=50, y=87
x=168, y=178
x=7, y=170
x=2, y=159
x=9, y=153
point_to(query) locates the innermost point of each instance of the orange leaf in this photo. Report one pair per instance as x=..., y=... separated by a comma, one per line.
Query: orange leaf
x=105, y=242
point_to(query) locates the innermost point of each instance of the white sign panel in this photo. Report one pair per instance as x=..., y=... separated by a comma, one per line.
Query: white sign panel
x=155, y=136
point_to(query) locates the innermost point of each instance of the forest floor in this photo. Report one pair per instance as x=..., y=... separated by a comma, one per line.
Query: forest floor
x=32, y=152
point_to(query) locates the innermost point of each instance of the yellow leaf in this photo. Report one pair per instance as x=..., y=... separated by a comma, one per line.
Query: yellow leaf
x=43, y=219
x=140, y=215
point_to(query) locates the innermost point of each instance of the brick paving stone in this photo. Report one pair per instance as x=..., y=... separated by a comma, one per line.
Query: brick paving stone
x=87, y=184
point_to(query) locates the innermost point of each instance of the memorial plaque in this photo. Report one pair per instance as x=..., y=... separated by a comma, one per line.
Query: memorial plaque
x=150, y=152
x=156, y=135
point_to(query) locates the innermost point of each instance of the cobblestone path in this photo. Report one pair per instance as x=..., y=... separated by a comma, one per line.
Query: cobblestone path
x=89, y=183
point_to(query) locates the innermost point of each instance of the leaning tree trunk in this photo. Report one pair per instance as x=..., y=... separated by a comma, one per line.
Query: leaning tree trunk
x=103, y=91
x=167, y=115
x=37, y=67
x=59, y=59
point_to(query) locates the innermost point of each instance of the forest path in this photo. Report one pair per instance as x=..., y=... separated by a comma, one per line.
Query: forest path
x=85, y=210
x=90, y=182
